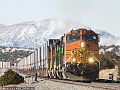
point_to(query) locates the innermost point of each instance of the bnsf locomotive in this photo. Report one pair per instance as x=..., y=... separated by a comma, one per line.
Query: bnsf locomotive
x=74, y=56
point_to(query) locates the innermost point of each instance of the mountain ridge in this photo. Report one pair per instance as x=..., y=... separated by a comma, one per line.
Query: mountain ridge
x=32, y=34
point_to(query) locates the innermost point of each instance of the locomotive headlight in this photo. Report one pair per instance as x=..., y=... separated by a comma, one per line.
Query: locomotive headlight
x=74, y=60
x=91, y=60
x=82, y=44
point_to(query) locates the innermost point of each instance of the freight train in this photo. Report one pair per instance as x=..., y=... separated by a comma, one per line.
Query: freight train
x=75, y=56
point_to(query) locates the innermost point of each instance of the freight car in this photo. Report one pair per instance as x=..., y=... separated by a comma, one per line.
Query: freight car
x=74, y=56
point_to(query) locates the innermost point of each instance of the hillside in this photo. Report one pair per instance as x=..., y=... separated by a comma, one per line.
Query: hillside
x=12, y=53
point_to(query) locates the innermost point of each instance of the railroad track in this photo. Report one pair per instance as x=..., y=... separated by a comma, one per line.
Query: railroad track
x=95, y=85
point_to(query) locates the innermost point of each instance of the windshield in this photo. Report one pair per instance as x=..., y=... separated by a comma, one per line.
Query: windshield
x=73, y=37
x=90, y=37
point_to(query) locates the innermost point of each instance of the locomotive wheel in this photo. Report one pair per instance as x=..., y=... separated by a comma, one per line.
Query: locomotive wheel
x=54, y=74
x=64, y=73
x=58, y=74
x=50, y=74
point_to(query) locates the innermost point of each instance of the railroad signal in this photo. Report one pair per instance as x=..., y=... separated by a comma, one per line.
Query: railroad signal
x=111, y=77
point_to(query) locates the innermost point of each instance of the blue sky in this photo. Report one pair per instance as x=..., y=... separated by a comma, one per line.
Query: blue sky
x=97, y=14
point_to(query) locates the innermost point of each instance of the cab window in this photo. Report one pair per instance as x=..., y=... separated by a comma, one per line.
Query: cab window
x=69, y=37
x=90, y=37
x=76, y=37
x=73, y=37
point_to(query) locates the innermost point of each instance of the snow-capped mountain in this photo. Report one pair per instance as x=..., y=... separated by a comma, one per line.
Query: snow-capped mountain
x=107, y=38
x=32, y=34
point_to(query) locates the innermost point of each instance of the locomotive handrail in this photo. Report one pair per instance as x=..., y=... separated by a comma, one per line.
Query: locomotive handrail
x=69, y=57
x=95, y=59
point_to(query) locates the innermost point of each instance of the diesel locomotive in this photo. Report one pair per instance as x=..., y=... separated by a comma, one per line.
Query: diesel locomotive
x=74, y=56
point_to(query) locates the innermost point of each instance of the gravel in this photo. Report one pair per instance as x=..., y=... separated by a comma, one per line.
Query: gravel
x=51, y=85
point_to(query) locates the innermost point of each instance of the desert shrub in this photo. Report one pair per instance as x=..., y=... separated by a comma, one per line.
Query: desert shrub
x=11, y=77
x=119, y=68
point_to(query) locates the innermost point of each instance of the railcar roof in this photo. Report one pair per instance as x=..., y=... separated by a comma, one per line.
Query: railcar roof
x=81, y=31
